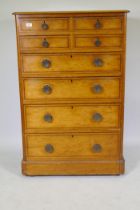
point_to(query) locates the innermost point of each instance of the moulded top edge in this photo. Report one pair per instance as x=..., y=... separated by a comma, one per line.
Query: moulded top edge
x=70, y=12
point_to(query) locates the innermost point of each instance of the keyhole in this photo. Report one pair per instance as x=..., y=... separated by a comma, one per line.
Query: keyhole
x=72, y=107
x=71, y=56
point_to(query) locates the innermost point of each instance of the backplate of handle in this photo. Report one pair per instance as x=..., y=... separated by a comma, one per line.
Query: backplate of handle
x=49, y=148
x=48, y=118
x=97, y=117
x=98, y=62
x=45, y=43
x=97, y=42
x=96, y=148
x=97, y=88
x=44, y=26
x=47, y=89
x=46, y=63
x=98, y=24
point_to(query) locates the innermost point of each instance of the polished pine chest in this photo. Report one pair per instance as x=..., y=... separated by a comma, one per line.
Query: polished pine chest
x=71, y=76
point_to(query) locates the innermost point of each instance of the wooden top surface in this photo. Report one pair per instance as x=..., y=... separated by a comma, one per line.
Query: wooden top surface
x=70, y=12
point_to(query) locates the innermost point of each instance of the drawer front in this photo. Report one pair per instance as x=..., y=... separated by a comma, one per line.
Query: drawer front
x=43, y=25
x=73, y=146
x=44, y=42
x=71, y=117
x=99, y=24
x=96, y=63
x=95, y=88
x=98, y=42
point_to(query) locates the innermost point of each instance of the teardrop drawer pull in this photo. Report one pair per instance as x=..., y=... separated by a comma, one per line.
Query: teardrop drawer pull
x=48, y=118
x=97, y=117
x=96, y=148
x=47, y=89
x=49, y=148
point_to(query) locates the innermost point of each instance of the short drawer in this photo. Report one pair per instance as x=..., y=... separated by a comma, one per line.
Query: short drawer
x=98, y=42
x=71, y=117
x=72, y=63
x=96, y=146
x=99, y=24
x=43, y=42
x=61, y=89
x=43, y=25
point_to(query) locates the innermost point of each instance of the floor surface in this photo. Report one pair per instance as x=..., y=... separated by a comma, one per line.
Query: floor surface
x=69, y=193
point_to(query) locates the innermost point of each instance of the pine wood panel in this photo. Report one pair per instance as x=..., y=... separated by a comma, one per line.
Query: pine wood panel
x=72, y=88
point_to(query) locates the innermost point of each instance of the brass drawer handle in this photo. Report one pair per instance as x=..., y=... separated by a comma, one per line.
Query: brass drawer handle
x=49, y=148
x=96, y=148
x=98, y=24
x=48, y=118
x=45, y=26
x=47, y=89
x=98, y=42
x=46, y=63
x=45, y=43
x=97, y=88
x=98, y=62
x=97, y=117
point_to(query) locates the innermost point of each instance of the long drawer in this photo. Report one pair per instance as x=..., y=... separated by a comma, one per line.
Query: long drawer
x=57, y=117
x=60, y=89
x=96, y=146
x=69, y=63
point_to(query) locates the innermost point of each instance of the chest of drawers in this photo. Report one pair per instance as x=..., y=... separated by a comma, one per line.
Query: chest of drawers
x=71, y=77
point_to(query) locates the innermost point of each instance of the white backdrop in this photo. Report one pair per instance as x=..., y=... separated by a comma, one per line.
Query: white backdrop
x=10, y=127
